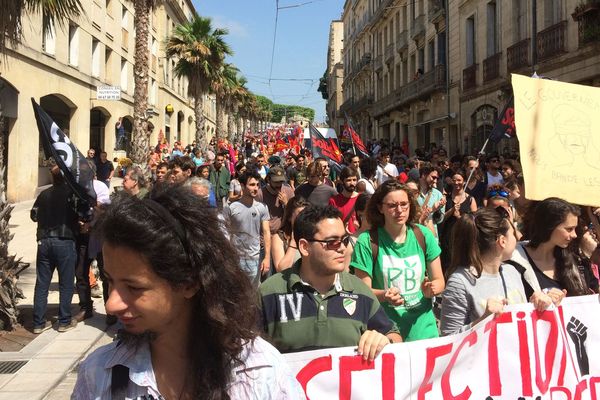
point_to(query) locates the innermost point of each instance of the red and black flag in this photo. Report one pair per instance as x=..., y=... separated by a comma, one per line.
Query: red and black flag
x=505, y=125
x=73, y=165
x=357, y=142
x=322, y=147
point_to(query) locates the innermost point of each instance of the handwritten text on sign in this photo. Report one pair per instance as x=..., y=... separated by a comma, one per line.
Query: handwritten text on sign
x=523, y=353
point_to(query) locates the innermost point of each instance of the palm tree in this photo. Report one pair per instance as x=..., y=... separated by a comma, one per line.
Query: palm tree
x=55, y=12
x=141, y=136
x=223, y=87
x=201, y=52
x=238, y=94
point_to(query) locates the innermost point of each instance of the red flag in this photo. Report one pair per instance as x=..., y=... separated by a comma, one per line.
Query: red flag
x=336, y=151
x=322, y=147
x=358, y=143
x=280, y=145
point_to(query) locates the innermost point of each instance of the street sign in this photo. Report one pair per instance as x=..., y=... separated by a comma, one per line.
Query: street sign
x=108, y=93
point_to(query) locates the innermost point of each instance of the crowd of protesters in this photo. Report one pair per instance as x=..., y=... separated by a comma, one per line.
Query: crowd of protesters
x=211, y=254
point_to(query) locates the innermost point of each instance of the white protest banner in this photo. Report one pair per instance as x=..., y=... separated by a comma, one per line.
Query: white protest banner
x=521, y=354
x=557, y=126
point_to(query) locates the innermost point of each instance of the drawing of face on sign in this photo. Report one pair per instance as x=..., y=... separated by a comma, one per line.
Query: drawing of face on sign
x=573, y=141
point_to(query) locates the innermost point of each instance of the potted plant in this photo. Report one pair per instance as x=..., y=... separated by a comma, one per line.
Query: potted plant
x=585, y=7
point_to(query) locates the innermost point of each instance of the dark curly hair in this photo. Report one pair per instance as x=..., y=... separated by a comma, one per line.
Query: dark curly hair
x=192, y=250
x=376, y=218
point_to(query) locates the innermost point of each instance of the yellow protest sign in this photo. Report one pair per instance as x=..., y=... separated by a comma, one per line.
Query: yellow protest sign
x=558, y=126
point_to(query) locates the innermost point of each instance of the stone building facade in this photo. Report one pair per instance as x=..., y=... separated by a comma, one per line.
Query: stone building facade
x=423, y=71
x=63, y=72
x=335, y=75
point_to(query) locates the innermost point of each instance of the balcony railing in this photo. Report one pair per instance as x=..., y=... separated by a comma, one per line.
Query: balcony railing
x=389, y=53
x=435, y=12
x=491, y=67
x=551, y=41
x=517, y=55
x=417, y=28
x=423, y=87
x=124, y=39
x=402, y=40
x=470, y=77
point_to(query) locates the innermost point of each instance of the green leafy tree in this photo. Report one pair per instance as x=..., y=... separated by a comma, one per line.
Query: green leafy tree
x=200, y=50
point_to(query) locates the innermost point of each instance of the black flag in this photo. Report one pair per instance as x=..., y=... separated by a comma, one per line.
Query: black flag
x=505, y=126
x=74, y=166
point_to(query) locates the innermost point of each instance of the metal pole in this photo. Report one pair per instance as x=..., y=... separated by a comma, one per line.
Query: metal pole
x=473, y=170
x=533, y=34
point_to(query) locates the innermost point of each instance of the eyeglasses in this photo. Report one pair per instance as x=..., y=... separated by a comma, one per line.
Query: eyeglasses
x=394, y=206
x=333, y=244
x=494, y=160
x=501, y=193
x=434, y=177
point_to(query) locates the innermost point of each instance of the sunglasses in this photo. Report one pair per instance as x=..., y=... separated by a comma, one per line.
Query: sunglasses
x=333, y=244
x=494, y=160
x=501, y=193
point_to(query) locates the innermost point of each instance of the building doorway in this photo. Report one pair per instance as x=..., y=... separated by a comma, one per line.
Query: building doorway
x=99, y=117
x=9, y=101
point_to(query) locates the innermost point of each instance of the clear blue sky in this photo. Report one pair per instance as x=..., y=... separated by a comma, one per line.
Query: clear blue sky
x=300, y=45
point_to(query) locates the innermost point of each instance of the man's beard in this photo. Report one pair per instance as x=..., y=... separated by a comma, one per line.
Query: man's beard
x=350, y=188
x=135, y=339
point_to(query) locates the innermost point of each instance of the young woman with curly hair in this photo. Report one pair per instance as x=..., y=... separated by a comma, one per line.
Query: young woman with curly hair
x=188, y=312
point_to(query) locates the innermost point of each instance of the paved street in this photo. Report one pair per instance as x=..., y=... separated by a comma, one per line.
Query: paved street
x=52, y=357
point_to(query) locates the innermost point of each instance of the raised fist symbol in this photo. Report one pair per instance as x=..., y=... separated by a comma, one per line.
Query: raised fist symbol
x=578, y=333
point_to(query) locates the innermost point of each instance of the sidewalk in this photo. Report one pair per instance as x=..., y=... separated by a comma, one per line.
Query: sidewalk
x=52, y=357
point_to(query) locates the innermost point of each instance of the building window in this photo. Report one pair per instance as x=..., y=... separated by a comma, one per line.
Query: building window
x=492, y=29
x=552, y=14
x=470, y=40
x=431, y=55
x=49, y=41
x=441, y=48
x=95, y=58
x=108, y=64
x=73, y=45
x=124, y=17
x=520, y=16
x=124, y=75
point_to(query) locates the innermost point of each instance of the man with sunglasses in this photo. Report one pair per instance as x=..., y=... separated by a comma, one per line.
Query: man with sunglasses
x=316, y=303
x=493, y=175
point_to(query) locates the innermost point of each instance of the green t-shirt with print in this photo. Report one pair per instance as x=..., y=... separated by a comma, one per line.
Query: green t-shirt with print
x=404, y=266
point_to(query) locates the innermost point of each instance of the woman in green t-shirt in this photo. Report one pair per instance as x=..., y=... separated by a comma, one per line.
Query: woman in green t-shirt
x=399, y=260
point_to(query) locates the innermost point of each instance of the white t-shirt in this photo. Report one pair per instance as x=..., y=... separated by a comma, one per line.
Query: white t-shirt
x=494, y=180
x=369, y=189
x=385, y=173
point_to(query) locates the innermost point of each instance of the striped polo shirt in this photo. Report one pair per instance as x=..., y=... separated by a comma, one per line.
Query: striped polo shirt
x=297, y=318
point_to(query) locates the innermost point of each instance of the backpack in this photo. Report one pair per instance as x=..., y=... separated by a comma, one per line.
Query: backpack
x=374, y=240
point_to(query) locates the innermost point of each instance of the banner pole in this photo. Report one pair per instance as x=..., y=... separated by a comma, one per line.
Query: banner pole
x=473, y=170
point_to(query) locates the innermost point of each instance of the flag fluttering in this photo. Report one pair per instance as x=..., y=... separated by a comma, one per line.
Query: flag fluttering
x=74, y=166
x=322, y=147
x=505, y=125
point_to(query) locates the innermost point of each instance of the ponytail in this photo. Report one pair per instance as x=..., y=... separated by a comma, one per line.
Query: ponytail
x=474, y=235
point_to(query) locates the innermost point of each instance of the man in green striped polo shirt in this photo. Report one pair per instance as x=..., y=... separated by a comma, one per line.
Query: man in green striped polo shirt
x=316, y=304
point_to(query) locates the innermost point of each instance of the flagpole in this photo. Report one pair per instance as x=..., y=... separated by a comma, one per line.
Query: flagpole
x=473, y=170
